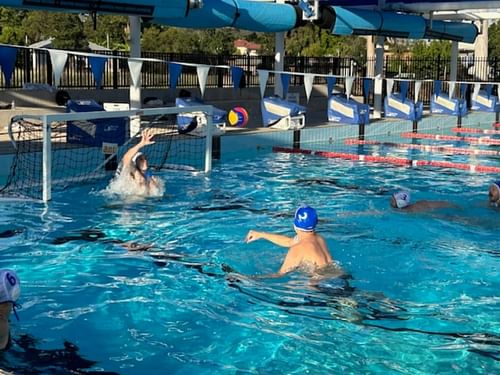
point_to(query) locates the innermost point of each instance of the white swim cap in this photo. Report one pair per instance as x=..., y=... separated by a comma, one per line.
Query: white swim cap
x=10, y=286
x=136, y=156
x=402, y=198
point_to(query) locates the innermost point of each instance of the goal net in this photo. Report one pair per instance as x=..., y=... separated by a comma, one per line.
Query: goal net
x=59, y=150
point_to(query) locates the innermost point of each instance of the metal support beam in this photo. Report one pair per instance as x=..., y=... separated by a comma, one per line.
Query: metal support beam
x=379, y=74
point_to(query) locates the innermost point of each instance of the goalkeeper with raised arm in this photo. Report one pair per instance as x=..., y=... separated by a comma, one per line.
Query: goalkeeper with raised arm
x=133, y=176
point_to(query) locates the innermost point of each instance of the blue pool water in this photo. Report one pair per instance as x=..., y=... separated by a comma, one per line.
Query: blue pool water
x=424, y=290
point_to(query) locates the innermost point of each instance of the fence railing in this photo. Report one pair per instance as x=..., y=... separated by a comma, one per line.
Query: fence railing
x=34, y=66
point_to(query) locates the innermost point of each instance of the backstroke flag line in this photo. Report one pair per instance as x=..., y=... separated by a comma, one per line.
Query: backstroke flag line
x=135, y=67
x=58, y=59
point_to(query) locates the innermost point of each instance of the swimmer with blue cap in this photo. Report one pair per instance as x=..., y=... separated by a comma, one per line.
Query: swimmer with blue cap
x=307, y=251
x=401, y=200
x=494, y=194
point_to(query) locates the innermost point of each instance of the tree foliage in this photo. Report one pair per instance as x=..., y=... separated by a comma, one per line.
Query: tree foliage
x=494, y=40
x=73, y=32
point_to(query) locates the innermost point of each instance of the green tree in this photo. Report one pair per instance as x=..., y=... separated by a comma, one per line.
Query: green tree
x=67, y=31
x=494, y=40
x=11, y=29
x=109, y=29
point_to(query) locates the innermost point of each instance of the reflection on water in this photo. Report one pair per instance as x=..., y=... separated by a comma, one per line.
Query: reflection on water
x=412, y=287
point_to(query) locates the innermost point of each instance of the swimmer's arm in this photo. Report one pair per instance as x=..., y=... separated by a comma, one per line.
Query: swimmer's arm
x=146, y=139
x=277, y=239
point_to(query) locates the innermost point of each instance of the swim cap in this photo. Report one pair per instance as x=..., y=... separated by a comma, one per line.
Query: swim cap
x=136, y=156
x=10, y=286
x=306, y=219
x=496, y=185
x=402, y=198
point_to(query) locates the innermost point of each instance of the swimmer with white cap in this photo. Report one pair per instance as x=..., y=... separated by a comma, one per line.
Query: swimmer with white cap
x=307, y=250
x=10, y=290
x=494, y=194
x=401, y=200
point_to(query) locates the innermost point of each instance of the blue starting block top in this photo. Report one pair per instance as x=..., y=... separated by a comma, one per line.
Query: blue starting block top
x=348, y=111
x=396, y=106
x=185, y=119
x=274, y=108
x=442, y=104
x=486, y=103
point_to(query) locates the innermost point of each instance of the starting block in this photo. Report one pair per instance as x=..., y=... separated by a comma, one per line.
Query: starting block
x=442, y=104
x=395, y=106
x=348, y=111
x=278, y=113
x=194, y=122
x=484, y=102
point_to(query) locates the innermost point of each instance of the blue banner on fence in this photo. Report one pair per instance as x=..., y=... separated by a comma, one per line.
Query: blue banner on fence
x=463, y=89
x=8, y=57
x=437, y=87
x=97, y=64
x=285, y=83
x=488, y=88
x=367, y=87
x=236, y=75
x=403, y=86
x=330, y=82
x=175, y=71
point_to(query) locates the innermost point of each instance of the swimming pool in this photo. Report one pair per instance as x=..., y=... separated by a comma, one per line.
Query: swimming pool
x=424, y=295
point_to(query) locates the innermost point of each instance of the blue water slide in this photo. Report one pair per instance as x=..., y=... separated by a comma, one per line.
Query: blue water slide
x=354, y=21
x=241, y=14
x=357, y=21
x=147, y=8
x=459, y=31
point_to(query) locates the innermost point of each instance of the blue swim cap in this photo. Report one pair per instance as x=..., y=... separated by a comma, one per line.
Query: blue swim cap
x=306, y=219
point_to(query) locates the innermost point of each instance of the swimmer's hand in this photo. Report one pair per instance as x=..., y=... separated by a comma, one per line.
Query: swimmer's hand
x=253, y=235
x=147, y=137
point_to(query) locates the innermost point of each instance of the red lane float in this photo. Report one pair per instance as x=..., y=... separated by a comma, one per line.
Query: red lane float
x=496, y=124
x=449, y=150
x=443, y=137
x=475, y=131
x=390, y=160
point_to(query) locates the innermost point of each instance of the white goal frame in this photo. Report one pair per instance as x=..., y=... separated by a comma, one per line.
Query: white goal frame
x=48, y=119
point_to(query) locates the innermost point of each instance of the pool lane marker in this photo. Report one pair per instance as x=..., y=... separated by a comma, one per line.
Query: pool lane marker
x=390, y=160
x=475, y=131
x=443, y=137
x=445, y=149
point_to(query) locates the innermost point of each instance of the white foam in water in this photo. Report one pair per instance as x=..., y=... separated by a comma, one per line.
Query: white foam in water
x=125, y=186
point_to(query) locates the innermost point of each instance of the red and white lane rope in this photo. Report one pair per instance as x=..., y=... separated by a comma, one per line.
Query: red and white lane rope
x=444, y=137
x=445, y=149
x=475, y=131
x=390, y=160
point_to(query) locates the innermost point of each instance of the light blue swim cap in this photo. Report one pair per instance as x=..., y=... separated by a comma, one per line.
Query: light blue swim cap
x=305, y=219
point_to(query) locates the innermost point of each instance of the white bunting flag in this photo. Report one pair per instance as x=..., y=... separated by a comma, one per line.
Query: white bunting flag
x=348, y=86
x=389, y=85
x=308, y=84
x=263, y=76
x=418, y=86
x=58, y=59
x=451, y=89
x=475, y=93
x=202, y=71
x=135, y=66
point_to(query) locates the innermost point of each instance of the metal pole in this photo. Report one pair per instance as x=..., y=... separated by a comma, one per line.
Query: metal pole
x=296, y=139
x=46, y=161
x=208, y=146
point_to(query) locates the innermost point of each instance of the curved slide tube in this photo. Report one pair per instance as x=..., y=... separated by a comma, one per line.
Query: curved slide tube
x=241, y=14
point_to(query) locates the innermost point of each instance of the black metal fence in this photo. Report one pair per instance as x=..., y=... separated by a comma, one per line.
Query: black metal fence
x=34, y=66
